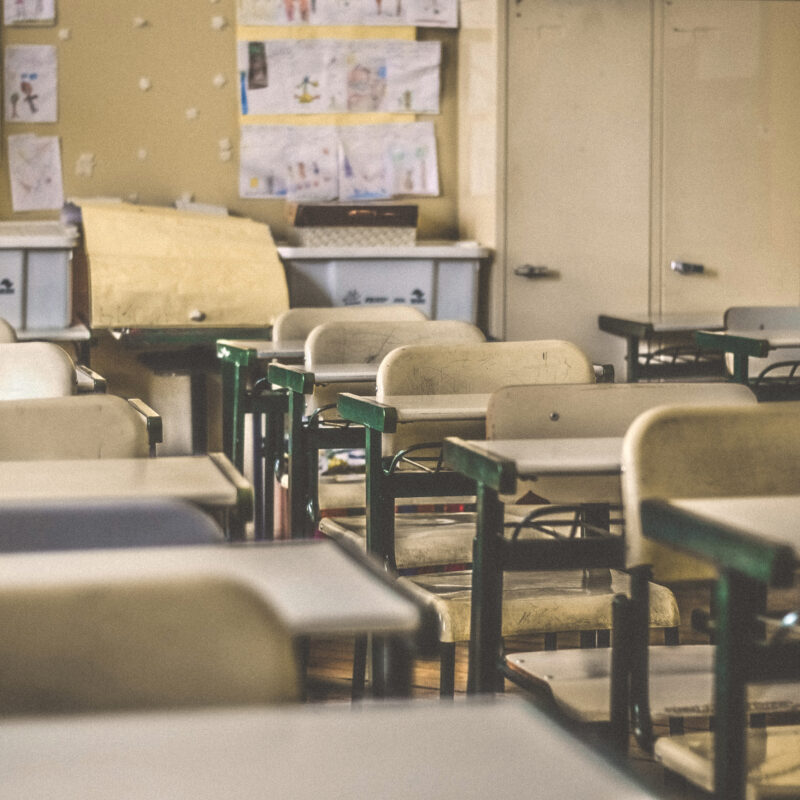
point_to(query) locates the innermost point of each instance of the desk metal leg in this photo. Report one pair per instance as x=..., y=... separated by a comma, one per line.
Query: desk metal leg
x=486, y=645
x=632, y=359
x=738, y=601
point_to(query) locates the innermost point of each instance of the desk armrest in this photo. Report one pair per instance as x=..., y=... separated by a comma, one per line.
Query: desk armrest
x=367, y=411
x=89, y=381
x=152, y=420
x=296, y=379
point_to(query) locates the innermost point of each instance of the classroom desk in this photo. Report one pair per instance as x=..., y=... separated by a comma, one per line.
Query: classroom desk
x=464, y=751
x=208, y=481
x=241, y=362
x=744, y=344
x=496, y=466
x=754, y=541
x=647, y=327
x=306, y=436
x=78, y=335
x=316, y=588
x=383, y=485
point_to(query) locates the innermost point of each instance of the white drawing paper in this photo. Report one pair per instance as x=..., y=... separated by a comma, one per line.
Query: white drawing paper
x=420, y=13
x=25, y=12
x=295, y=162
x=34, y=164
x=335, y=76
x=31, y=83
x=358, y=162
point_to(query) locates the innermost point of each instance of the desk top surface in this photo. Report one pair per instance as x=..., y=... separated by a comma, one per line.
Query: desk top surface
x=315, y=587
x=196, y=479
x=423, y=407
x=775, y=337
x=773, y=519
x=393, y=751
x=648, y=324
x=532, y=457
x=266, y=349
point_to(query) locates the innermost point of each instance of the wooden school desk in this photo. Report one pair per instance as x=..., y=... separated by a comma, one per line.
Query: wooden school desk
x=648, y=327
x=464, y=751
x=242, y=361
x=383, y=487
x=307, y=437
x=755, y=542
x=208, y=481
x=496, y=466
x=744, y=344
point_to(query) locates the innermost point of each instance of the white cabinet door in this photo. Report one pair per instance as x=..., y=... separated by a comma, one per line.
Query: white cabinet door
x=577, y=168
x=730, y=134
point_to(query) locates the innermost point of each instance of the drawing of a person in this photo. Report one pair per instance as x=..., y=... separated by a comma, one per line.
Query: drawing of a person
x=30, y=97
x=14, y=100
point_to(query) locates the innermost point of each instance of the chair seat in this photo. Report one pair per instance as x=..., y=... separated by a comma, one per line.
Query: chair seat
x=773, y=757
x=422, y=538
x=681, y=682
x=542, y=602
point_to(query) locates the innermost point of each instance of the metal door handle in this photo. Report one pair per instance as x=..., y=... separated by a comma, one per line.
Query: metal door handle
x=531, y=271
x=685, y=268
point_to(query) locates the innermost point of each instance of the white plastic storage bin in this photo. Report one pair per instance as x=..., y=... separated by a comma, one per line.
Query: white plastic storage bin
x=36, y=274
x=442, y=280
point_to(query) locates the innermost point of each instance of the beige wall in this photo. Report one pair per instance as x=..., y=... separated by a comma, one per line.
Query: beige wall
x=145, y=148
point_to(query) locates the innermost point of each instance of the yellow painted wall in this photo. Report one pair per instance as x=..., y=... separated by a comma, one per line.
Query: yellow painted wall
x=144, y=145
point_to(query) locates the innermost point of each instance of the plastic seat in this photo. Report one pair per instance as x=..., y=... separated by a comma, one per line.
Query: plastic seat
x=690, y=452
x=81, y=426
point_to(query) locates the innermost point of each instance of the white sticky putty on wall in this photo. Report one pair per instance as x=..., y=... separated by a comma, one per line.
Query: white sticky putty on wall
x=85, y=164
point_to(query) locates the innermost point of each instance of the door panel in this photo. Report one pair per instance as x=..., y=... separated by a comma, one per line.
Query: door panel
x=731, y=154
x=578, y=168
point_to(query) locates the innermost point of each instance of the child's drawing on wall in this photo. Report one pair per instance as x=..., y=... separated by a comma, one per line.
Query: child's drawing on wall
x=30, y=83
x=23, y=12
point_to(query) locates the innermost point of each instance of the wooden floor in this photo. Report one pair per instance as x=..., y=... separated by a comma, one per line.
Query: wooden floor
x=331, y=662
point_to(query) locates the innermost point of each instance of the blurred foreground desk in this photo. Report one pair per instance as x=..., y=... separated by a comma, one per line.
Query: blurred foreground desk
x=464, y=751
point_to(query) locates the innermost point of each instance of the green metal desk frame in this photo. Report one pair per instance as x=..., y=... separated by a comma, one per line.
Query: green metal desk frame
x=305, y=438
x=740, y=347
x=238, y=368
x=747, y=564
x=493, y=554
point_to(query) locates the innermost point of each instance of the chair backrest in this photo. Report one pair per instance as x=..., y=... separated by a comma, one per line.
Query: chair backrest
x=8, y=334
x=705, y=451
x=762, y=317
x=35, y=369
x=144, y=643
x=79, y=426
x=588, y=411
x=368, y=342
x=89, y=524
x=593, y=410
x=296, y=323
x=480, y=368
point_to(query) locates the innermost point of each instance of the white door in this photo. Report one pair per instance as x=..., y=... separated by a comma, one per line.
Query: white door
x=578, y=168
x=645, y=133
x=730, y=132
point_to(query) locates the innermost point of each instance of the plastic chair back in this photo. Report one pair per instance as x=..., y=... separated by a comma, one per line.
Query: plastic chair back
x=80, y=426
x=704, y=451
x=8, y=334
x=296, y=323
x=35, y=369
